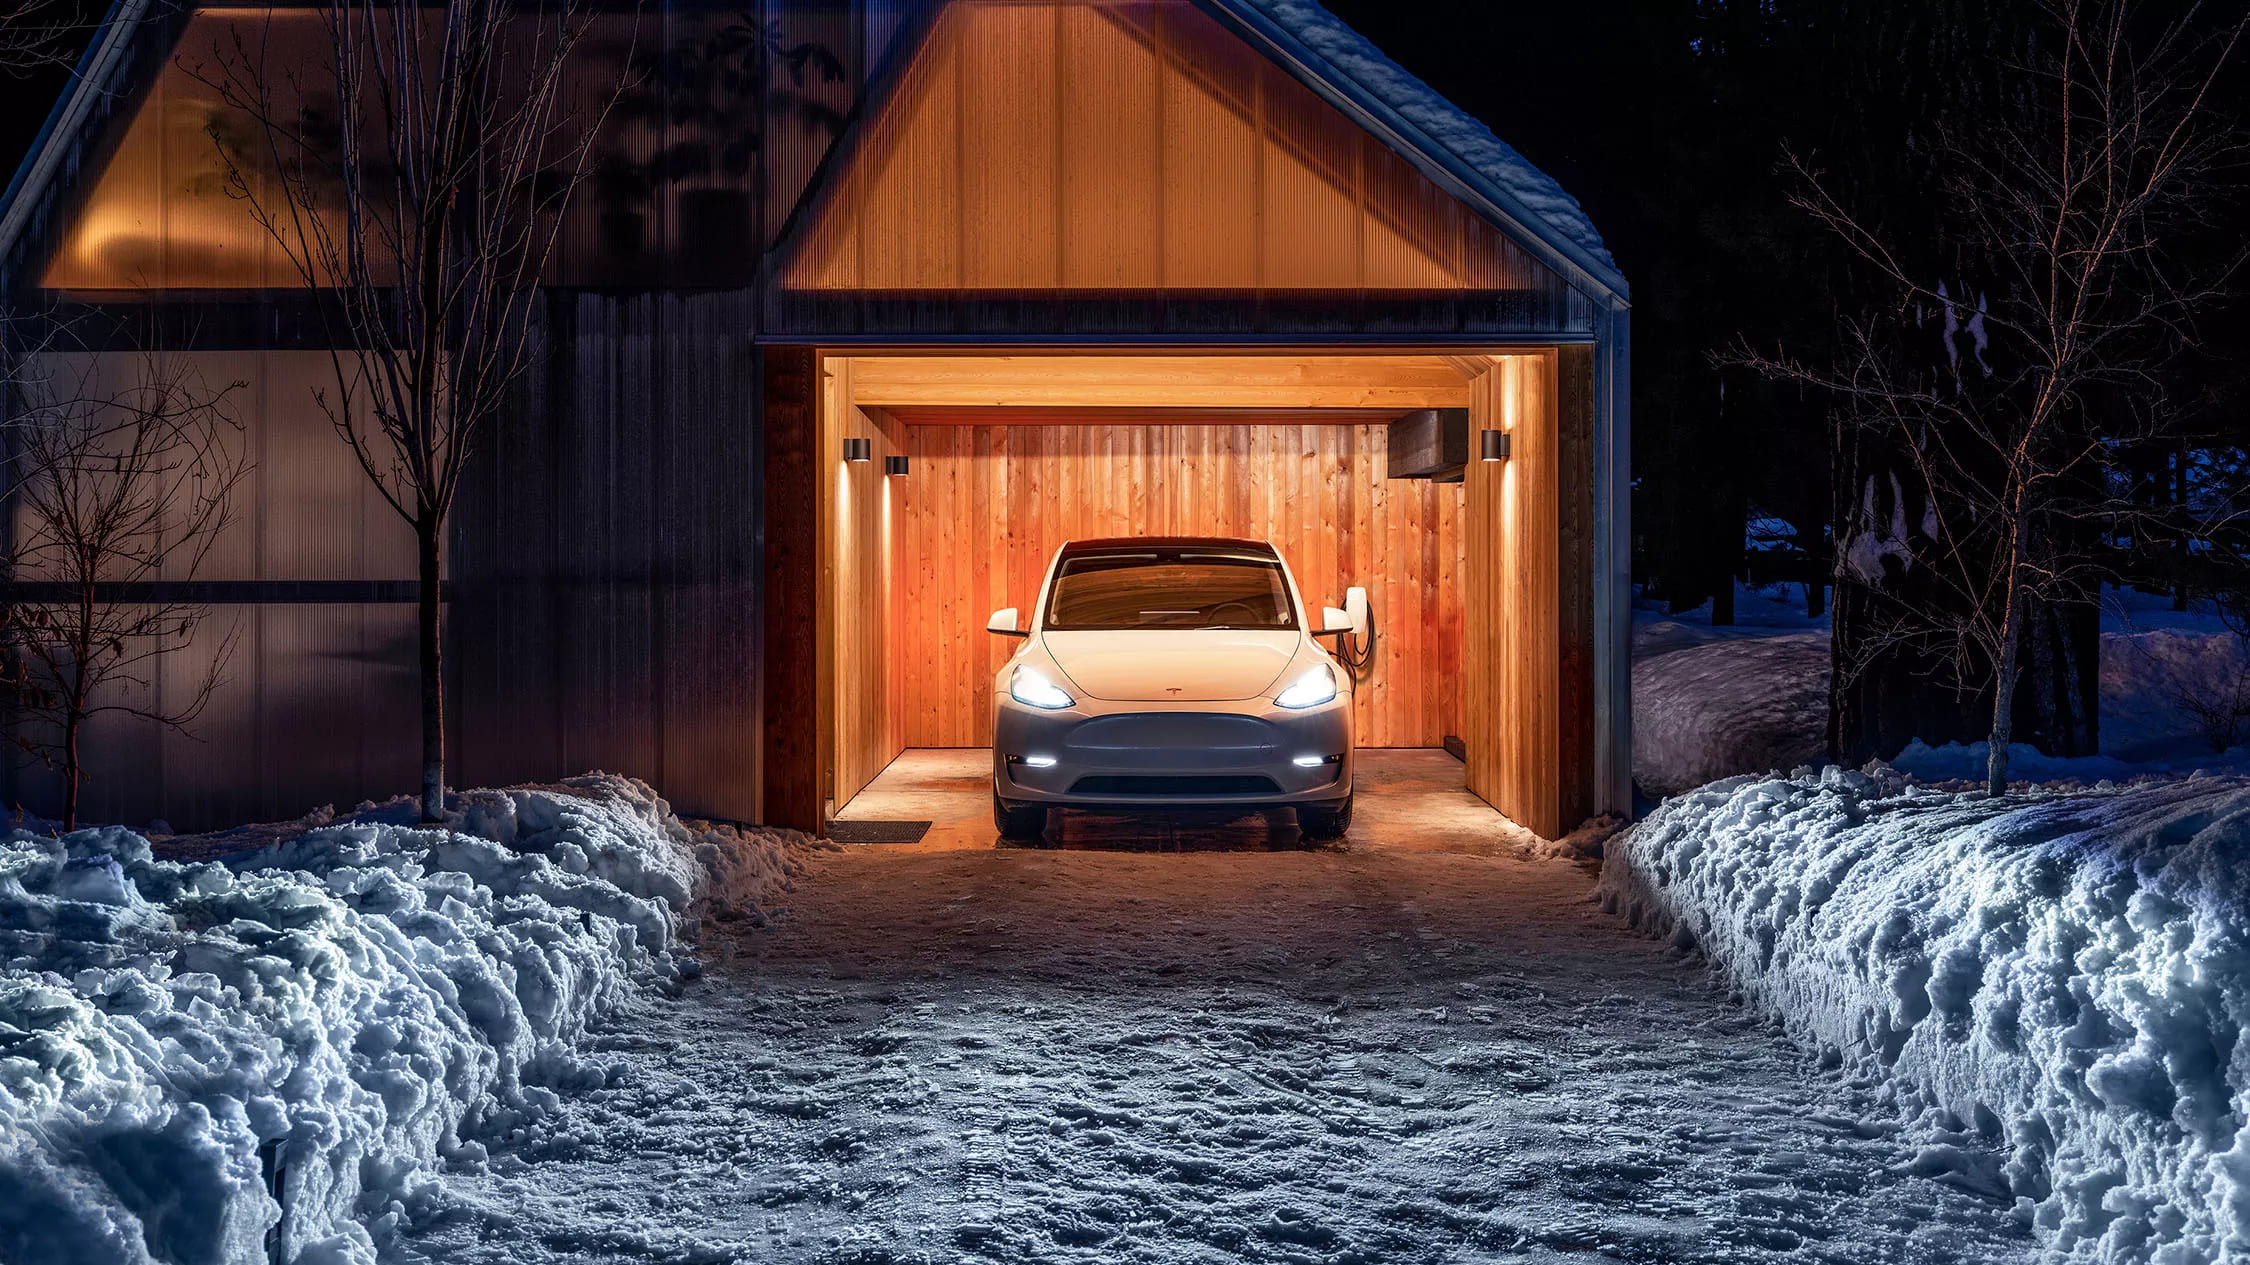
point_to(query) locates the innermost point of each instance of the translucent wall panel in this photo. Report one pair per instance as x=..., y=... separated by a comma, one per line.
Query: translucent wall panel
x=714, y=117
x=317, y=699
x=161, y=215
x=303, y=509
x=1126, y=145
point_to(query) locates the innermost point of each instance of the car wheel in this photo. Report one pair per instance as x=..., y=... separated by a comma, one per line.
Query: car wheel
x=1328, y=821
x=1019, y=823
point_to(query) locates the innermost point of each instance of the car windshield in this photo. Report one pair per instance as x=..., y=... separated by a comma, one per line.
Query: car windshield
x=1197, y=587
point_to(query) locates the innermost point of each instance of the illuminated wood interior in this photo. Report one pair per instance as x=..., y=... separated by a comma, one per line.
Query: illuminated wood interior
x=1388, y=384
x=987, y=506
x=1004, y=468
x=1126, y=145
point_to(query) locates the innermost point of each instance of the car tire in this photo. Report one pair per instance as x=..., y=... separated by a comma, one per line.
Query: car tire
x=1019, y=823
x=1326, y=821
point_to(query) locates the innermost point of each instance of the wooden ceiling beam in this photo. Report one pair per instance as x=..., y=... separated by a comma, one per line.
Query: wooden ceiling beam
x=1171, y=384
x=1057, y=415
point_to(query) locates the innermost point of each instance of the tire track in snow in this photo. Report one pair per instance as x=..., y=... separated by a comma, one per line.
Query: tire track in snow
x=1218, y=1057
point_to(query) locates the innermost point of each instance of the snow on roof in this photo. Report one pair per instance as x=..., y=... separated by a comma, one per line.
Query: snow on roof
x=1443, y=123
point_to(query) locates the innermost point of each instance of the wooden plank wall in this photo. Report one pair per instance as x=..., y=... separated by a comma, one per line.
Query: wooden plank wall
x=790, y=750
x=605, y=556
x=860, y=516
x=1511, y=658
x=986, y=507
x=1129, y=146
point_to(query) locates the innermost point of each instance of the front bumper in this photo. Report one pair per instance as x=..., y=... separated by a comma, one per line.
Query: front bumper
x=1172, y=755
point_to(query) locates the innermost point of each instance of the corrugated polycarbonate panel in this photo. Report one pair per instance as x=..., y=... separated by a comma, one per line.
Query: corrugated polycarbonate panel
x=162, y=214
x=316, y=700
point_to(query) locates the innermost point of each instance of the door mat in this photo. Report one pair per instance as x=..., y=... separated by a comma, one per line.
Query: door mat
x=878, y=831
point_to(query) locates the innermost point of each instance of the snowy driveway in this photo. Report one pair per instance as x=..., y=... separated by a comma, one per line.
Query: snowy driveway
x=1085, y=1055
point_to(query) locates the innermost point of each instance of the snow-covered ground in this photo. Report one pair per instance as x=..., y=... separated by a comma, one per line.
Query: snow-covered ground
x=282, y=1054
x=2064, y=975
x=1712, y=702
x=1033, y=1055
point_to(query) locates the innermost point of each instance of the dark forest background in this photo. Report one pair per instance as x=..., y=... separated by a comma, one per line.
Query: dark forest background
x=1668, y=120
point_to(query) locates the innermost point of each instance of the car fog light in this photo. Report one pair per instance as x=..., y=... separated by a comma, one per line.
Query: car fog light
x=1040, y=761
x=1309, y=761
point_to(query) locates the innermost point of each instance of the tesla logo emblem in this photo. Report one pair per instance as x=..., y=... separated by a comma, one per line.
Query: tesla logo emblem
x=1173, y=692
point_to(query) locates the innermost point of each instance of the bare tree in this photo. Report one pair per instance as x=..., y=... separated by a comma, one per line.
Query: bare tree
x=32, y=34
x=120, y=494
x=2008, y=390
x=416, y=184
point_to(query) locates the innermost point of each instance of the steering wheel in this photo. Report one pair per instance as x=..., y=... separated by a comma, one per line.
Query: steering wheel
x=1249, y=612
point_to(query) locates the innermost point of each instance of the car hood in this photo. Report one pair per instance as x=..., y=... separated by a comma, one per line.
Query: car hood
x=1177, y=665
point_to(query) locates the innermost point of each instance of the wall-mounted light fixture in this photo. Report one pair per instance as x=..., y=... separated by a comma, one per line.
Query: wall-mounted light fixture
x=859, y=450
x=1496, y=445
x=895, y=466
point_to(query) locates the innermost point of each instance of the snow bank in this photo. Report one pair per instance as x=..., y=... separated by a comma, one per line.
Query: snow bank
x=1712, y=702
x=2067, y=975
x=1726, y=707
x=267, y=1056
x=2170, y=694
x=1958, y=765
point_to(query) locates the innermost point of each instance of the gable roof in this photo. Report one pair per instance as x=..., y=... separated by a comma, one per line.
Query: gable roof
x=1337, y=62
x=1334, y=55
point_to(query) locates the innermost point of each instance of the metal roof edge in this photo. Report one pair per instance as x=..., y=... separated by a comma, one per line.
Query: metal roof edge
x=1566, y=256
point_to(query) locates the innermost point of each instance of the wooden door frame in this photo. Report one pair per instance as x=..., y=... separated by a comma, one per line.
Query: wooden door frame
x=796, y=600
x=790, y=751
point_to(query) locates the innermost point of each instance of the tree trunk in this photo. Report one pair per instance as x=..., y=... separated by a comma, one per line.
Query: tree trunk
x=2006, y=671
x=427, y=533
x=72, y=773
x=2003, y=702
x=1816, y=599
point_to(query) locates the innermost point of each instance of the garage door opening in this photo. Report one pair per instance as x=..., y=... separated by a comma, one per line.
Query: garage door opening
x=948, y=482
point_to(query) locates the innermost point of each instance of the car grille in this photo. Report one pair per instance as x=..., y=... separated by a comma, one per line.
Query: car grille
x=1122, y=784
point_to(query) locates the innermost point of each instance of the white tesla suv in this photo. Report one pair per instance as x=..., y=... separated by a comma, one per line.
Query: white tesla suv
x=1168, y=672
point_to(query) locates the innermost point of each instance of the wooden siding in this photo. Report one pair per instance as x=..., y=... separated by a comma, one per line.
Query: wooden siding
x=1135, y=145
x=1387, y=385
x=791, y=755
x=1132, y=168
x=604, y=559
x=860, y=578
x=1519, y=753
x=985, y=508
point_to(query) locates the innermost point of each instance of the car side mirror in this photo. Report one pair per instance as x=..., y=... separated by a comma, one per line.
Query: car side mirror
x=1351, y=621
x=1004, y=622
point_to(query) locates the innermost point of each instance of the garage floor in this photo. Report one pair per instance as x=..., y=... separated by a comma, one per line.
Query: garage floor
x=1407, y=799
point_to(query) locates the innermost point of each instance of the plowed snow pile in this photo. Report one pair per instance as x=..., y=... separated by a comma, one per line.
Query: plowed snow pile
x=2068, y=973
x=187, y=1049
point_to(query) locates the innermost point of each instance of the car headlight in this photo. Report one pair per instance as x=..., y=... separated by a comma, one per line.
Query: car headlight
x=1030, y=687
x=1310, y=690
